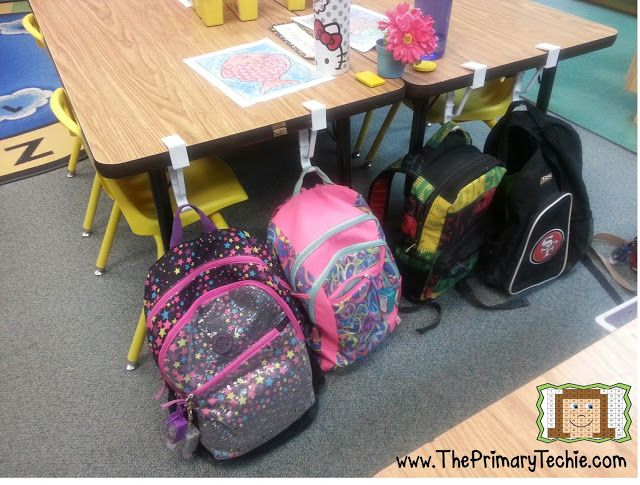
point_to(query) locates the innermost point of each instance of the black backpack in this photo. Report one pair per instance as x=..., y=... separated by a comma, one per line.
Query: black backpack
x=543, y=223
x=449, y=187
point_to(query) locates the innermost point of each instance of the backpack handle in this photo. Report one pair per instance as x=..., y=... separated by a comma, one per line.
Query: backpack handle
x=177, y=231
x=443, y=132
x=323, y=176
x=534, y=112
x=537, y=117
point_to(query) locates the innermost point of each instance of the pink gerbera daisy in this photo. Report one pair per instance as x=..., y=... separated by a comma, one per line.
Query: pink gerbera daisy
x=409, y=34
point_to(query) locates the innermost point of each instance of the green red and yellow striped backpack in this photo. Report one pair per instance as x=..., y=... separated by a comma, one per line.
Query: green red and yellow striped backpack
x=448, y=189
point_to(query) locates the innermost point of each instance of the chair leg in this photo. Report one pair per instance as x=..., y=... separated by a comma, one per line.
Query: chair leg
x=159, y=246
x=107, y=241
x=366, y=122
x=219, y=221
x=87, y=225
x=73, y=158
x=381, y=134
x=136, y=344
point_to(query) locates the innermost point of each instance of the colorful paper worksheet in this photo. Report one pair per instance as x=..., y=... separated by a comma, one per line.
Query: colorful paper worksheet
x=364, y=27
x=256, y=72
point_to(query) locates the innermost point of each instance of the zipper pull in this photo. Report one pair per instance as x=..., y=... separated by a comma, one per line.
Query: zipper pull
x=190, y=404
x=192, y=434
x=176, y=426
x=160, y=392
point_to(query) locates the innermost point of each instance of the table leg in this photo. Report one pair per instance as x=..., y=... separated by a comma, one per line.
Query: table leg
x=160, y=191
x=546, y=85
x=418, y=124
x=343, y=145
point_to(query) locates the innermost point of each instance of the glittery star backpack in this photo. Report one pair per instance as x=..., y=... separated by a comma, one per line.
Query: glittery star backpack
x=229, y=342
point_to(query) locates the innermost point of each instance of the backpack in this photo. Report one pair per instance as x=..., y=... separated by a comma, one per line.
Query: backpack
x=228, y=339
x=334, y=254
x=448, y=189
x=542, y=215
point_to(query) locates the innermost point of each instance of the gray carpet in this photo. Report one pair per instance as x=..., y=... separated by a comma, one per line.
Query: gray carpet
x=68, y=407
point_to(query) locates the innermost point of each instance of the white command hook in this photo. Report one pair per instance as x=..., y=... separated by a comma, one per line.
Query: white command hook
x=553, y=52
x=307, y=137
x=479, y=77
x=179, y=161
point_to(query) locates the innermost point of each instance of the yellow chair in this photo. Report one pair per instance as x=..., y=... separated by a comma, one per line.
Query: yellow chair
x=486, y=104
x=211, y=185
x=31, y=26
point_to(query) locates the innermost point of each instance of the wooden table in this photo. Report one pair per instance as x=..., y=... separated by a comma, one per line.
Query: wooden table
x=509, y=425
x=501, y=34
x=121, y=63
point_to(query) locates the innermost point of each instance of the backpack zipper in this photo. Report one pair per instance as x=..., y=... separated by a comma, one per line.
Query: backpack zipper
x=311, y=247
x=193, y=274
x=252, y=350
x=318, y=283
x=462, y=170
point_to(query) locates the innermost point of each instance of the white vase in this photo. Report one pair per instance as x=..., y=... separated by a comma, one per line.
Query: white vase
x=331, y=34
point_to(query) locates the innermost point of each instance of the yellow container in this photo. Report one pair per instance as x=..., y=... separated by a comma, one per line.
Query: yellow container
x=244, y=9
x=210, y=11
x=296, y=4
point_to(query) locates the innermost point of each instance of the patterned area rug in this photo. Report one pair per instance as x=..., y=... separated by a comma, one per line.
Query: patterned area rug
x=31, y=139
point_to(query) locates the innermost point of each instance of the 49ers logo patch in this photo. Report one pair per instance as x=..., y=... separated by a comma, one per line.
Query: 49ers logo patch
x=547, y=246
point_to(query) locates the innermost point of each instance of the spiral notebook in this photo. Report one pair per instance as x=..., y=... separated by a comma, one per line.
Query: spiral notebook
x=296, y=38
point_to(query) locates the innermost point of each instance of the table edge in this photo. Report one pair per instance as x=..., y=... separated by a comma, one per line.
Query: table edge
x=195, y=151
x=421, y=91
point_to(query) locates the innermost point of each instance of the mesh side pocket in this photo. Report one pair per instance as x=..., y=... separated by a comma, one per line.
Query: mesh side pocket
x=215, y=331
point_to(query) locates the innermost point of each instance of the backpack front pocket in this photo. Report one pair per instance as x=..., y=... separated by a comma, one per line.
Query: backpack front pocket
x=240, y=353
x=543, y=254
x=362, y=291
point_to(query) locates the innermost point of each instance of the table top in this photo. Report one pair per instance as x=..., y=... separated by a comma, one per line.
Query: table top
x=121, y=63
x=509, y=425
x=501, y=34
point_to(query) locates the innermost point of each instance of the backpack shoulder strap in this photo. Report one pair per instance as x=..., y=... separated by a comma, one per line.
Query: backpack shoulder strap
x=380, y=191
x=465, y=289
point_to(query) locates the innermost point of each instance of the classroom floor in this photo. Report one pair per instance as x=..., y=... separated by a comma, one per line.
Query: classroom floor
x=589, y=90
x=69, y=408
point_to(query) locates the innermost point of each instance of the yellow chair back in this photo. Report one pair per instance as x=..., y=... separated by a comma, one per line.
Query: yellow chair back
x=486, y=103
x=61, y=108
x=31, y=26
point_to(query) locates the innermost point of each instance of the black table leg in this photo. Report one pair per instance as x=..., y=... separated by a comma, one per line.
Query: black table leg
x=160, y=191
x=546, y=85
x=343, y=145
x=418, y=124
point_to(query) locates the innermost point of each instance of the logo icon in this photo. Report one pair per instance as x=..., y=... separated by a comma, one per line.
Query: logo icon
x=596, y=412
x=546, y=178
x=547, y=246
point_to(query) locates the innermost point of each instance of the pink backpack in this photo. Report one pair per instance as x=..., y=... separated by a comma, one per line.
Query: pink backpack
x=334, y=254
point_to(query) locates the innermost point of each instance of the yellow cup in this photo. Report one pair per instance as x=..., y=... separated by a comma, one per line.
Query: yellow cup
x=210, y=11
x=245, y=9
x=296, y=4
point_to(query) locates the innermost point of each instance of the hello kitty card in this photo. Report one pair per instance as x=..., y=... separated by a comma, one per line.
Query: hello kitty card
x=256, y=72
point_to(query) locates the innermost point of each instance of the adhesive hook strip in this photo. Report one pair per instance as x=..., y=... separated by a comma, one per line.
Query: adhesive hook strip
x=318, y=114
x=179, y=161
x=479, y=73
x=553, y=52
x=479, y=78
x=307, y=137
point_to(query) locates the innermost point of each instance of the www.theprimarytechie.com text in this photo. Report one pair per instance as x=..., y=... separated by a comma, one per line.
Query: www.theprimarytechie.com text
x=538, y=460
